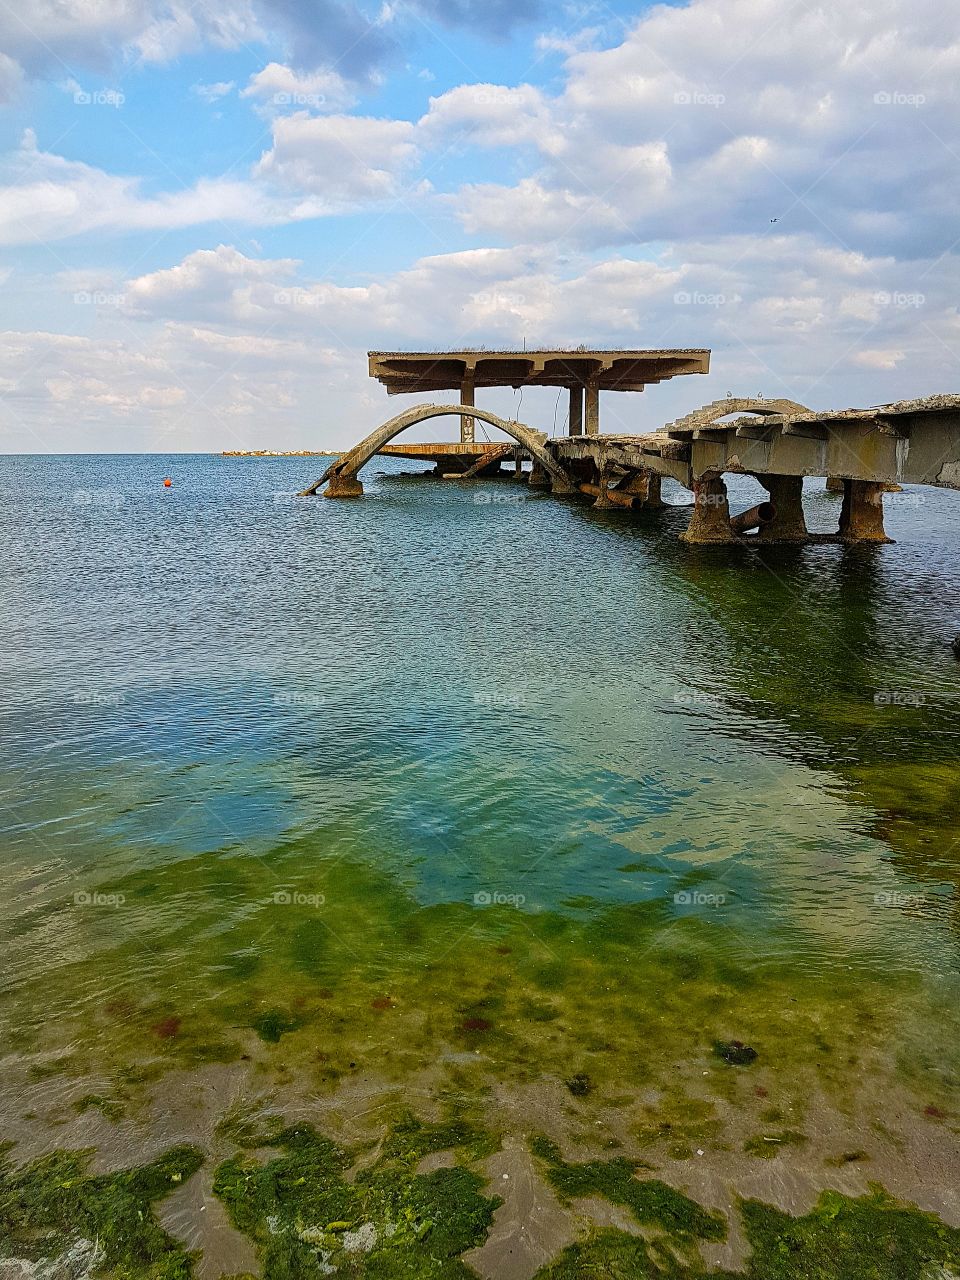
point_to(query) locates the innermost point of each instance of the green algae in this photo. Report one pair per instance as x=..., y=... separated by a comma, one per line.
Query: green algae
x=308, y=1218
x=873, y=1237
x=609, y=1254
x=651, y=1201
x=49, y=1204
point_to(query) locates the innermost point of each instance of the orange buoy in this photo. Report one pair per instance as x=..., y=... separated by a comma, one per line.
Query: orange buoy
x=167, y=483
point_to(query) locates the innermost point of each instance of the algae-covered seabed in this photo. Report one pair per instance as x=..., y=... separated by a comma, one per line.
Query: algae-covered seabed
x=425, y=886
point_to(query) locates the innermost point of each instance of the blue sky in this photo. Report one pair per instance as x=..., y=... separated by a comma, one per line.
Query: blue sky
x=209, y=213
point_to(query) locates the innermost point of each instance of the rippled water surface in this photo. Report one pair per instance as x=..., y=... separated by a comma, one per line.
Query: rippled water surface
x=456, y=771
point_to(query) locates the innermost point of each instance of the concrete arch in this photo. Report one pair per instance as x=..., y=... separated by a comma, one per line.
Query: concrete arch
x=717, y=409
x=341, y=476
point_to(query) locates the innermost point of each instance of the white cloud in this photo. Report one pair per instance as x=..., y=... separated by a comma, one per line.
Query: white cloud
x=211, y=93
x=342, y=160
x=491, y=115
x=280, y=87
x=837, y=121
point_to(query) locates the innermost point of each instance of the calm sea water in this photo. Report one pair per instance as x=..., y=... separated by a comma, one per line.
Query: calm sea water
x=458, y=765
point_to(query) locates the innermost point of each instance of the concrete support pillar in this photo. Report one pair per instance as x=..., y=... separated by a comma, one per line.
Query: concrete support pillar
x=645, y=487
x=576, y=412
x=468, y=426
x=518, y=467
x=786, y=495
x=593, y=407
x=861, y=516
x=710, y=518
x=539, y=479
x=603, y=486
x=652, y=500
x=343, y=487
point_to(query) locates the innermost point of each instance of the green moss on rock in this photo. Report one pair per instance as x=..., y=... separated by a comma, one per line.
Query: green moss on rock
x=308, y=1220
x=48, y=1205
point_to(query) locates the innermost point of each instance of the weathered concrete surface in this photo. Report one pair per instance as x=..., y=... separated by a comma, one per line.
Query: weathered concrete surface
x=788, y=523
x=341, y=476
x=861, y=516
x=710, y=518
x=911, y=442
x=613, y=369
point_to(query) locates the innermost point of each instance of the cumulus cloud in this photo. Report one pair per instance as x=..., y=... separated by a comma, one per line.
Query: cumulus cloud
x=492, y=115
x=341, y=160
x=279, y=86
x=837, y=122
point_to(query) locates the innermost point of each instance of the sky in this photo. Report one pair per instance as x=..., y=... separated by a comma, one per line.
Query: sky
x=211, y=211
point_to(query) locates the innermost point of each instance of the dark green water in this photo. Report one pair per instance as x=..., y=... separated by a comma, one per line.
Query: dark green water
x=461, y=779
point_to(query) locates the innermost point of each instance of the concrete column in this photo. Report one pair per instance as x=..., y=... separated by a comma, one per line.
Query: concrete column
x=343, y=487
x=538, y=478
x=861, y=516
x=653, y=501
x=593, y=407
x=468, y=396
x=786, y=494
x=576, y=412
x=710, y=518
x=603, y=487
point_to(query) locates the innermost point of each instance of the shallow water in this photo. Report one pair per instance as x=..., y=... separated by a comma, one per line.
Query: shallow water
x=467, y=779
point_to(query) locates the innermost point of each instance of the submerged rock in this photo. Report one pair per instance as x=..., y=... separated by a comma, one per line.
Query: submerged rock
x=735, y=1052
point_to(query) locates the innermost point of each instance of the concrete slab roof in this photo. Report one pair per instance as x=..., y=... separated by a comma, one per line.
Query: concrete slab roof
x=419, y=372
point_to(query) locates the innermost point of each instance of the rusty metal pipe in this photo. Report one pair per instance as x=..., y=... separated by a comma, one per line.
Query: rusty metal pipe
x=616, y=496
x=755, y=518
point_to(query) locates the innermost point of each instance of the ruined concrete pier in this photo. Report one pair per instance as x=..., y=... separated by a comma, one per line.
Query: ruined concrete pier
x=864, y=453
